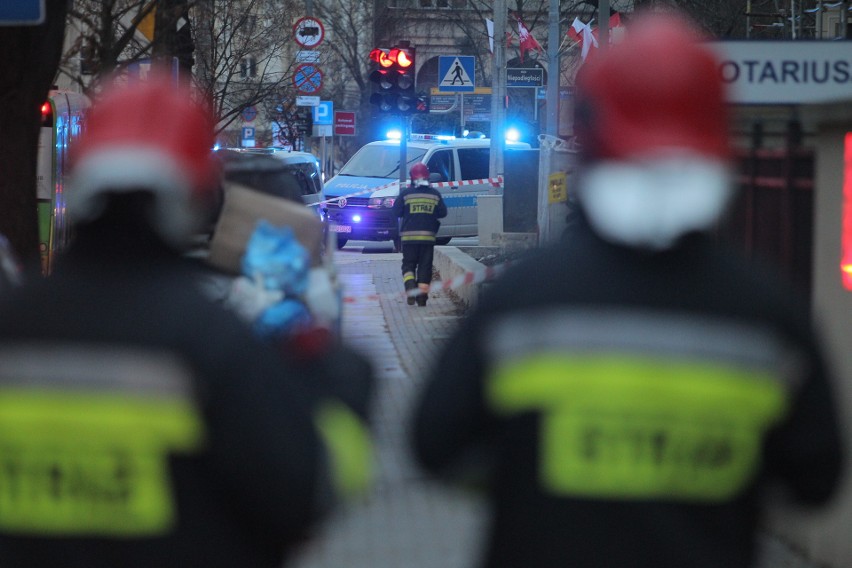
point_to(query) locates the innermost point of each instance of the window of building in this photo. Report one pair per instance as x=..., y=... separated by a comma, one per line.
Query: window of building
x=429, y=4
x=248, y=67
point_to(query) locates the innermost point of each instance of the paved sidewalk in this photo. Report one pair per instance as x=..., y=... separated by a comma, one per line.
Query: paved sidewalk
x=407, y=521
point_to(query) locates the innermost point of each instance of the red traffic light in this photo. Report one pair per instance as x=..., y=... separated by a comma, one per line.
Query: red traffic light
x=402, y=57
x=380, y=56
x=46, y=114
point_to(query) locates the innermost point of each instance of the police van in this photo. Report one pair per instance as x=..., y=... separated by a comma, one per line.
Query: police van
x=358, y=201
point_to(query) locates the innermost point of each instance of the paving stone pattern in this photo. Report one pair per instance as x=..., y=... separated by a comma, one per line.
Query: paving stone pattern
x=408, y=521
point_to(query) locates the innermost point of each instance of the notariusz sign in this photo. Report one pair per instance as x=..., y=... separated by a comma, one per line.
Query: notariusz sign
x=785, y=72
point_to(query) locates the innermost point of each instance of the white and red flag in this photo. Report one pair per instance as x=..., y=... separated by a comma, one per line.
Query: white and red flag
x=586, y=36
x=525, y=39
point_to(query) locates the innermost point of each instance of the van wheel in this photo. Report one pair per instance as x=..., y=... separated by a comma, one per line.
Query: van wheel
x=442, y=240
x=341, y=242
x=397, y=245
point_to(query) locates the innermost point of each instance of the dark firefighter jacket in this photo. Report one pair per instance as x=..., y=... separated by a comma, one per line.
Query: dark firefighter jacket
x=625, y=407
x=420, y=209
x=143, y=426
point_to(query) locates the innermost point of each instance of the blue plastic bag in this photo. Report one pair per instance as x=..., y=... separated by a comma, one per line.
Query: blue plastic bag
x=282, y=319
x=276, y=258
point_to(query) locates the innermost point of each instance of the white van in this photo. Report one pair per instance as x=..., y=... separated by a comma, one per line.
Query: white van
x=357, y=201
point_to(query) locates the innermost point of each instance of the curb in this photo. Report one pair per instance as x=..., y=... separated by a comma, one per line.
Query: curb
x=450, y=263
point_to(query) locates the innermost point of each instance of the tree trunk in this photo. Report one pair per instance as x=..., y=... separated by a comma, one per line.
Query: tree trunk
x=26, y=75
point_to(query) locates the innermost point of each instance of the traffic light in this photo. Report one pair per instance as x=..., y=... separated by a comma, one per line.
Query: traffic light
x=382, y=77
x=395, y=79
x=422, y=104
x=47, y=114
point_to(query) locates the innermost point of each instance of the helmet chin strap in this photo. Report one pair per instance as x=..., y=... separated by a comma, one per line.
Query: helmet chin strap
x=652, y=203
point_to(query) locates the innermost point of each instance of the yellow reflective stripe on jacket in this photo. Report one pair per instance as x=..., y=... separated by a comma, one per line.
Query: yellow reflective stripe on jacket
x=419, y=236
x=350, y=447
x=417, y=204
x=90, y=463
x=636, y=427
x=420, y=198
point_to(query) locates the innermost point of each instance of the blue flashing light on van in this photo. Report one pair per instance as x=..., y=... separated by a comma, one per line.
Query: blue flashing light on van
x=358, y=200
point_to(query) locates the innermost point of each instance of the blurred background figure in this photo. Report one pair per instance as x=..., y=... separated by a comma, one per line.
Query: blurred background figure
x=626, y=396
x=142, y=425
x=10, y=267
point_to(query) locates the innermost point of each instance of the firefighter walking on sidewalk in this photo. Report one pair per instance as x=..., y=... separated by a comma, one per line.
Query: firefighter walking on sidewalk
x=420, y=206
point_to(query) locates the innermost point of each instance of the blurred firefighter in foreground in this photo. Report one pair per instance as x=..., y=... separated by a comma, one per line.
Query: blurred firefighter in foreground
x=626, y=395
x=142, y=425
x=420, y=206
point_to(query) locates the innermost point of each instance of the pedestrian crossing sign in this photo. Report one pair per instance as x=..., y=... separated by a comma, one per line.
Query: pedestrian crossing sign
x=456, y=72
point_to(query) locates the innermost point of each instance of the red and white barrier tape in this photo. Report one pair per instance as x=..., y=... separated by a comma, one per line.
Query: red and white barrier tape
x=468, y=278
x=348, y=195
x=495, y=182
x=474, y=277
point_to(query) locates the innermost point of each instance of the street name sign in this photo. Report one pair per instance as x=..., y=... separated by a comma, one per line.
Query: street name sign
x=524, y=77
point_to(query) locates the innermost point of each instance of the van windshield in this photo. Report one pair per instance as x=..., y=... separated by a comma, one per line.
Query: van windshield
x=380, y=162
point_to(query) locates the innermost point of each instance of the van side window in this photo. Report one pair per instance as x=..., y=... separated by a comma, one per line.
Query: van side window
x=307, y=177
x=474, y=162
x=441, y=163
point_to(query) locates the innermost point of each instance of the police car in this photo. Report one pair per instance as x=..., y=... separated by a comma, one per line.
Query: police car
x=357, y=201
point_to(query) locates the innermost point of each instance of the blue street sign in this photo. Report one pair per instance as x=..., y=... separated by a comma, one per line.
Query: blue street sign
x=323, y=113
x=248, y=132
x=21, y=12
x=456, y=74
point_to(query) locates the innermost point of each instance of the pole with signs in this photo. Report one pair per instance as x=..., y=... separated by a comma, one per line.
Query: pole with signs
x=498, y=109
x=553, y=65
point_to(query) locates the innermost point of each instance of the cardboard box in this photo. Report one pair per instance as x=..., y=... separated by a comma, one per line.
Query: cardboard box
x=242, y=210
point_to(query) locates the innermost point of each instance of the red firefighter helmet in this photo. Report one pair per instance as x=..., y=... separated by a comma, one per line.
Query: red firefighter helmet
x=658, y=89
x=152, y=135
x=419, y=171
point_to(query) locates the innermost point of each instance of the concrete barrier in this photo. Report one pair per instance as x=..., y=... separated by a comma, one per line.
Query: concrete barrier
x=450, y=262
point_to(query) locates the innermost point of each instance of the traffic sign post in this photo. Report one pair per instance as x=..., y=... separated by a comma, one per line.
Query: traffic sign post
x=344, y=123
x=307, y=100
x=308, y=32
x=307, y=57
x=248, y=137
x=456, y=73
x=249, y=114
x=307, y=79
